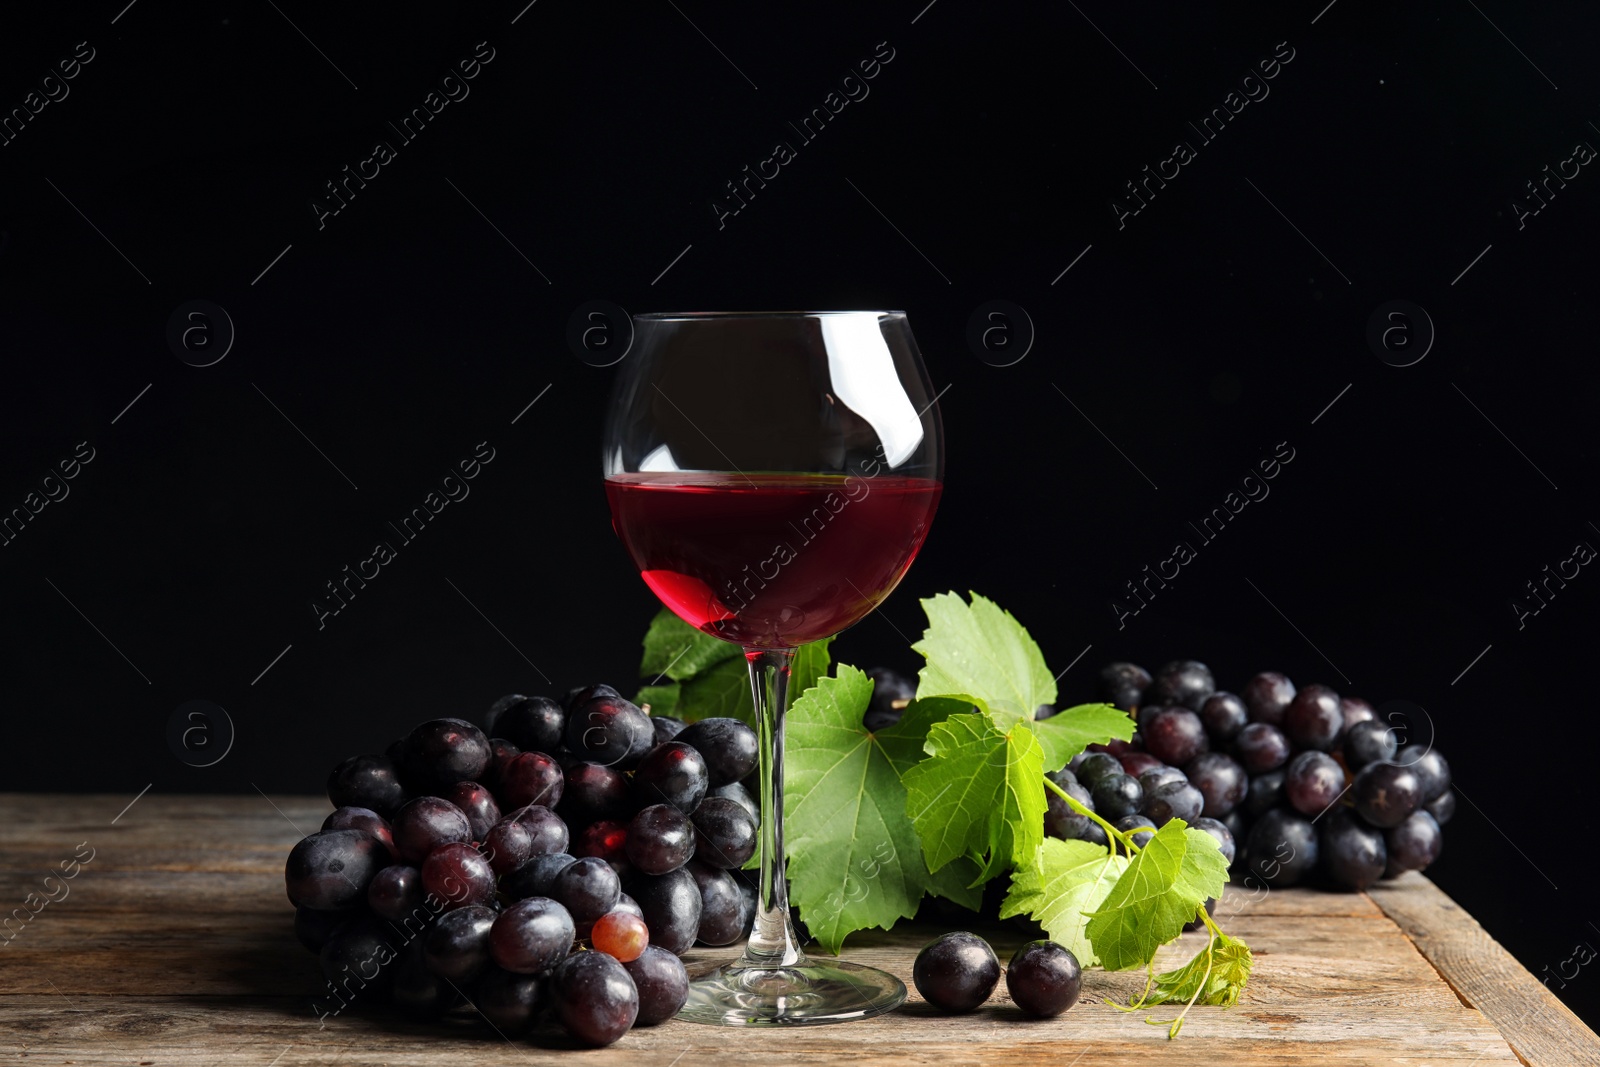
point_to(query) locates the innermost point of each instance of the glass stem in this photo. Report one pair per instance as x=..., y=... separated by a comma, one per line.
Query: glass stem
x=772, y=941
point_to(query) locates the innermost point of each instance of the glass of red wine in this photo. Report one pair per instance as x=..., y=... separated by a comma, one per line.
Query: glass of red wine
x=773, y=475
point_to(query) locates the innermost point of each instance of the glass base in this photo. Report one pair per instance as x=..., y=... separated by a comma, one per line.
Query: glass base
x=806, y=993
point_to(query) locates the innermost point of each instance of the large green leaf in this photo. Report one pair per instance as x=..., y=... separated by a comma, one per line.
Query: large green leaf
x=982, y=654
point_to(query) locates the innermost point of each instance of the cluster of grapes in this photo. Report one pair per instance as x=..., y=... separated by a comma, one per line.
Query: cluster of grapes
x=1293, y=783
x=556, y=864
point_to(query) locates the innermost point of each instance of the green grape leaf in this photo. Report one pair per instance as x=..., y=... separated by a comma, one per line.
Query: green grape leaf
x=856, y=862
x=980, y=794
x=810, y=663
x=982, y=654
x=1164, y=887
x=722, y=690
x=1070, y=731
x=1217, y=973
x=960, y=881
x=1062, y=888
x=674, y=648
x=663, y=699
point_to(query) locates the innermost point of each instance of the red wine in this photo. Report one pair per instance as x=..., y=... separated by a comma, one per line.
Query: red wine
x=771, y=560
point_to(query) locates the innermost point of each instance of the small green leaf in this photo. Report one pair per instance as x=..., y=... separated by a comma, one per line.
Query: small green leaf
x=1061, y=888
x=674, y=648
x=1223, y=966
x=981, y=654
x=661, y=698
x=1069, y=732
x=810, y=663
x=979, y=794
x=1163, y=888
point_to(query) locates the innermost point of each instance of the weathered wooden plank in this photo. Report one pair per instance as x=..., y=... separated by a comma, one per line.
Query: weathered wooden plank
x=1538, y=1026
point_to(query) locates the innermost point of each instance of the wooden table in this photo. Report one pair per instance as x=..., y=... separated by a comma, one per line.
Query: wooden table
x=173, y=945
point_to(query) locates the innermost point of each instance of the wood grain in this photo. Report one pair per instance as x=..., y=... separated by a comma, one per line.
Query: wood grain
x=173, y=945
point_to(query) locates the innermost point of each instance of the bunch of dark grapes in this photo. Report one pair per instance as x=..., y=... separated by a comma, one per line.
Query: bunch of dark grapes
x=1296, y=784
x=550, y=868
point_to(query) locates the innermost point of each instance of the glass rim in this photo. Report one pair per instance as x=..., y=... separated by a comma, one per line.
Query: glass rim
x=670, y=316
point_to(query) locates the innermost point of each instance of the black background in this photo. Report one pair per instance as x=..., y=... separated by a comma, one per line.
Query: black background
x=414, y=325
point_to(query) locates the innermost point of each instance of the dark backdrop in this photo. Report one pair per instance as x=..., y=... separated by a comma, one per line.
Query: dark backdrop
x=375, y=347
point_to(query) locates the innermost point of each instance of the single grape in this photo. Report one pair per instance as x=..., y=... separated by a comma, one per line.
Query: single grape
x=1368, y=742
x=1314, y=719
x=956, y=972
x=547, y=831
x=1221, y=781
x=595, y=792
x=1266, y=696
x=1175, y=800
x=1234, y=823
x=442, y=752
x=1433, y=773
x=477, y=804
x=1175, y=736
x=662, y=984
x=666, y=727
x=416, y=990
x=1142, y=828
x=1442, y=807
x=1123, y=684
x=1137, y=762
x=459, y=875
x=1261, y=747
x=1224, y=836
x=457, y=945
x=587, y=889
x=1044, y=711
x=891, y=692
x=606, y=840
x=1354, y=710
x=725, y=834
x=509, y=1001
x=1095, y=766
x=582, y=694
x=396, y=892
x=671, y=906
x=367, y=782
x=1060, y=821
x=1044, y=979
x=532, y=935
x=354, y=818
x=536, y=877
x=1313, y=782
x=314, y=927
x=660, y=839
x=1353, y=855
x=331, y=871
x=532, y=778
x=729, y=748
x=736, y=792
x=356, y=958
x=721, y=904
x=1185, y=681
x=674, y=773
x=1266, y=791
x=533, y=724
x=1385, y=793
x=610, y=731
x=508, y=844
x=1223, y=716
x=1281, y=848
x=425, y=823
x=1094, y=834
x=620, y=934
x=1414, y=844
x=595, y=998
x=1160, y=775
x=1116, y=796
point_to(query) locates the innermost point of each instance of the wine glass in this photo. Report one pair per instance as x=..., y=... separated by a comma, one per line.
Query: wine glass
x=773, y=475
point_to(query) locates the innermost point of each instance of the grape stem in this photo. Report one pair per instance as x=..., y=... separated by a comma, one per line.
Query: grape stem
x=1126, y=840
